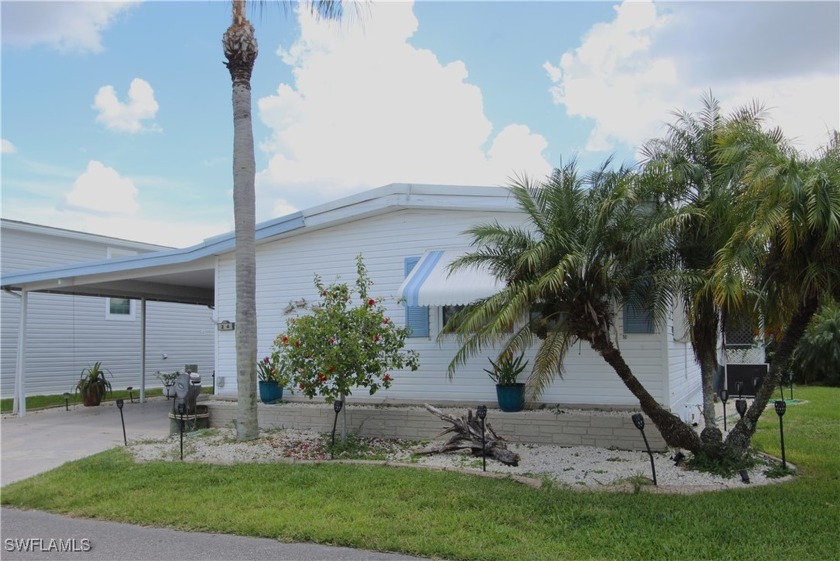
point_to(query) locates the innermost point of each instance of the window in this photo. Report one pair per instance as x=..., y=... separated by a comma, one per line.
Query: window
x=416, y=317
x=637, y=319
x=446, y=313
x=120, y=309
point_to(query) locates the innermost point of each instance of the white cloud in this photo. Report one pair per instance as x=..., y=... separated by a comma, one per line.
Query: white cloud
x=628, y=74
x=367, y=109
x=100, y=189
x=6, y=147
x=64, y=26
x=128, y=116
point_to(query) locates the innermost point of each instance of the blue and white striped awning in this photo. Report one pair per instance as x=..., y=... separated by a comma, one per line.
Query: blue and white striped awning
x=431, y=284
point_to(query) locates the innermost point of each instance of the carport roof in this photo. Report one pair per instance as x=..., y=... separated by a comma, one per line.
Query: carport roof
x=188, y=275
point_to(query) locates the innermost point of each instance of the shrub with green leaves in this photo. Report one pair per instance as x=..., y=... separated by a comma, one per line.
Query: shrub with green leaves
x=341, y=346
x=817, y=358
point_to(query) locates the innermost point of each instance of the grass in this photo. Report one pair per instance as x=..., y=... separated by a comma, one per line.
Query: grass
x=456, y=516
x=35, y=402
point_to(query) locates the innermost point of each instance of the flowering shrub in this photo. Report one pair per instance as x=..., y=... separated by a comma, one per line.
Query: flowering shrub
x=269, y=370
x=339, y=346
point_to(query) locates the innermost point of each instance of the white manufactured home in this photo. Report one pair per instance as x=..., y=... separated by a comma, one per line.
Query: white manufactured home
x=66, y=333
x=407, y=235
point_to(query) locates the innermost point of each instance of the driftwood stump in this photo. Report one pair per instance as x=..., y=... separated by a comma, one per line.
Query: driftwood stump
x=467, y=435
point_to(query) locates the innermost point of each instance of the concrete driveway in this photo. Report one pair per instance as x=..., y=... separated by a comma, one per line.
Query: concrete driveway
x=43, y=440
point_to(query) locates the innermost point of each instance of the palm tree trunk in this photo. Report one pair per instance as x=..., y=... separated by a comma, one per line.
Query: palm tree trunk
x=240, y=47
x=704, y=340
x=738, y=441
x=675, y=432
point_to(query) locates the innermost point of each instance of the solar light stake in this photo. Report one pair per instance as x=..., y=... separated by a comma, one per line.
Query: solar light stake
x=67, y=401
x=122, y=419
x=724, y=395
x=739, y=387
x=790, y=375
x=639, y=421
x=741, y=407
x=781, y=407
x=130, y=390
x=182, y=408
x=481, y=411
x=337, y=405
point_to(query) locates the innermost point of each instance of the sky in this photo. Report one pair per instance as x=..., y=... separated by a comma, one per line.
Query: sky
x=117, y=120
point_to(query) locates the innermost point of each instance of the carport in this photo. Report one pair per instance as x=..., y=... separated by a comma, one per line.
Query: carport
x=178, y=275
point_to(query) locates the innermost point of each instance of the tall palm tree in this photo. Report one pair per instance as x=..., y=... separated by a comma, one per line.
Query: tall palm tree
x=784, y=254
x=240, y=47
x=567, y=273
x=697, y=189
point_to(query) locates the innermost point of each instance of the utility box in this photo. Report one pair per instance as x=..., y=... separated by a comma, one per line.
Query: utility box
x=750, y=376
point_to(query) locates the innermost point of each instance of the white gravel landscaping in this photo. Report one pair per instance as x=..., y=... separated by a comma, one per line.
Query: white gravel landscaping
x=577, y=467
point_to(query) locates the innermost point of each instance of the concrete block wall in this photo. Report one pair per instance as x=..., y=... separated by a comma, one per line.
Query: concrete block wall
x=578, y=428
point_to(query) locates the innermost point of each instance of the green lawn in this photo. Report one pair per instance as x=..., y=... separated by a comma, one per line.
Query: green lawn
x=464, y=517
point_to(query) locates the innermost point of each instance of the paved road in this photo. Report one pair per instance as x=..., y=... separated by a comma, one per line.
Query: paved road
x=44, y=440
x=107, y=541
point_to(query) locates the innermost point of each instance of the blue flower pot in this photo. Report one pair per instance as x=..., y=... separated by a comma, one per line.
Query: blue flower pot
x=270, y=392
x=511, y=398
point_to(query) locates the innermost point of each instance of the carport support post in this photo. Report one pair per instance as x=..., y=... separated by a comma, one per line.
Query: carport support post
x=19, y=401
x=143, y=351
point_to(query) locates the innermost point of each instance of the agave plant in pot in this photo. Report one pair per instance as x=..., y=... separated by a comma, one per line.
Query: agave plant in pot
x=93, y=385
x=505, y=372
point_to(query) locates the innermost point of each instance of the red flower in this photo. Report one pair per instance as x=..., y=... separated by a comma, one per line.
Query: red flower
x=385, y=321
x=332, y=340
x=322, y=378
x=387, y=378
x=376, y=338
x=285, y=340
x=302, y=386
x=331, y=368
x=371, y=302
x=297, y=343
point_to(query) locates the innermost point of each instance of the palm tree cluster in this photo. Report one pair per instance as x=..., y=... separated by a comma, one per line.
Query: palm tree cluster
x=721, y=215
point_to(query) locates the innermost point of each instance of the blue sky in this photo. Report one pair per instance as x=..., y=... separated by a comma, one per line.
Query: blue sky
x=116, y=117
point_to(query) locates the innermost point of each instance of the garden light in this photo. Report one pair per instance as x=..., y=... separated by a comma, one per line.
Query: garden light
x=741, y=407
x=130, y=389
x=67, y=401
x=639, y=421
x=781, y=407
x=481, y=411
x=337, y=405
x=724, y=395
x=120, y=403
x=739, y=387
x=182, y=409
x=790, y=376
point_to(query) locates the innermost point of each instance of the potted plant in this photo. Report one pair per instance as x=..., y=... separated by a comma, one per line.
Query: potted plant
x=272, y=379
x=93, y=385
x=168, y=381
x=506, y=370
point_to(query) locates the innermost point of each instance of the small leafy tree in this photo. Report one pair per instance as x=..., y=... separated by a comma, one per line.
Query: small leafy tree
x=339, y=346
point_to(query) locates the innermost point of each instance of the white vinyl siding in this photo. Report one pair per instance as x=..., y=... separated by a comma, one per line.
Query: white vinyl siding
x=285, y=271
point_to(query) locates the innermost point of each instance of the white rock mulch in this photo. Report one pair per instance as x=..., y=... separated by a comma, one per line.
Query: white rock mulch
x=577, y=467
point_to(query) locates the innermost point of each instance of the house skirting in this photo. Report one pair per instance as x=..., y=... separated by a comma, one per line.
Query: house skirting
x=570, y=428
